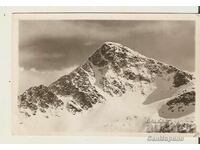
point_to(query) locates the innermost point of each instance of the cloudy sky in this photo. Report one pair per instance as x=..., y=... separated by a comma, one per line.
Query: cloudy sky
x=49, y=49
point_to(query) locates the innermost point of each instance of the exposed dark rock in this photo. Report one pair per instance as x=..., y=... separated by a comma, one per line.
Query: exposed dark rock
x=185, y=98
x=38, y=98
x=181, y=78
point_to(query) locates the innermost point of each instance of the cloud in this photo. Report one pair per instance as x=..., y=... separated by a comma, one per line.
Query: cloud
x=33, y=70
x=55, y=45
x=31, y=30
x=21, y=69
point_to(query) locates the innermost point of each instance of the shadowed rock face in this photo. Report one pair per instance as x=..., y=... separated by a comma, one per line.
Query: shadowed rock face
x=179, y=106
x=38, y=99
x=111, y=70
x=181, y=78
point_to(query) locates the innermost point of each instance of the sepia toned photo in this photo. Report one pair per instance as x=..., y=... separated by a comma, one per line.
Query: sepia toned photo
x=103, y=74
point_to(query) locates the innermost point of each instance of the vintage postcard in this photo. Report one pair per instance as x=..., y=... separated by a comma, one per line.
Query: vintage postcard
x=104, y=74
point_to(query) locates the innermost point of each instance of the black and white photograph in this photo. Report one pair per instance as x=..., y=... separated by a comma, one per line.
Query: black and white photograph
x=104, y=74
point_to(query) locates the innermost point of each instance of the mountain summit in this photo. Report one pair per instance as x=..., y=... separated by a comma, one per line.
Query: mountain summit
x=115, y=72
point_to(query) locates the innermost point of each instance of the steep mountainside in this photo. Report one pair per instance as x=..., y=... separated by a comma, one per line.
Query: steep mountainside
x=114, y=71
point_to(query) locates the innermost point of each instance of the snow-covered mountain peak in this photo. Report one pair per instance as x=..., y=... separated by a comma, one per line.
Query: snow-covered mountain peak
x=115, y=71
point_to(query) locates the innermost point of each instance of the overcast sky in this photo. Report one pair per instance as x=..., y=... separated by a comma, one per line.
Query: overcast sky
x=58, y=46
